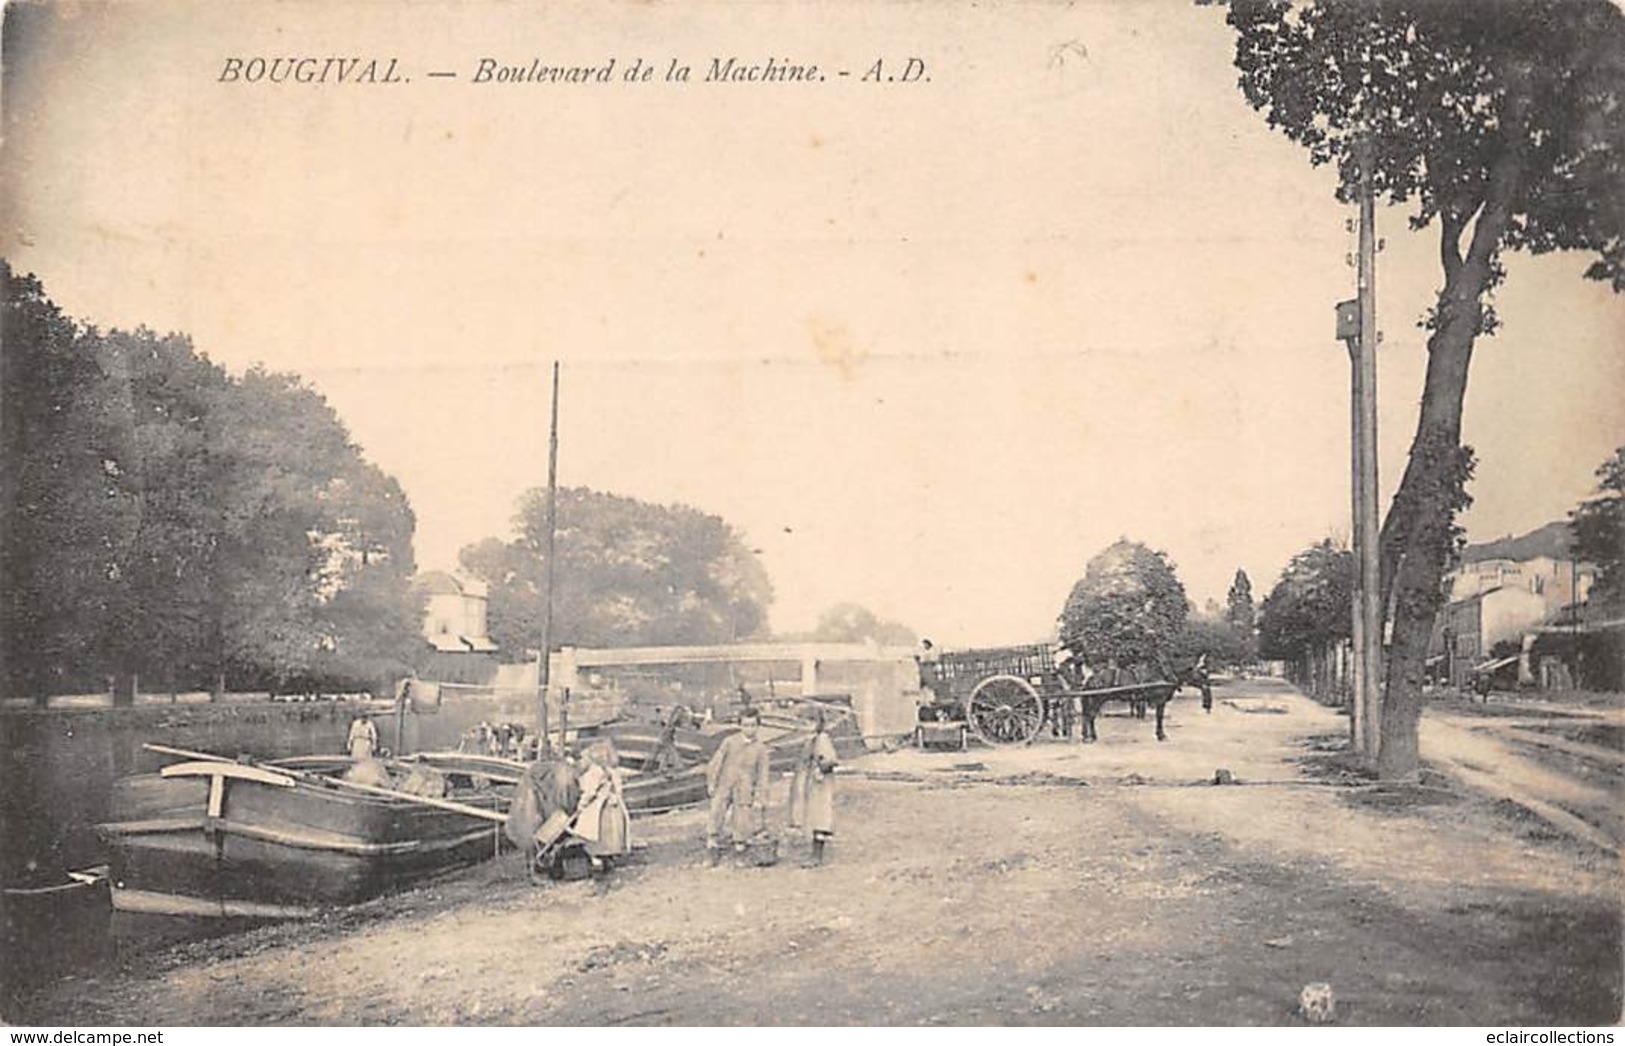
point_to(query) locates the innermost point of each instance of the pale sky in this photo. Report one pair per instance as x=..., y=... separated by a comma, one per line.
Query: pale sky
x=929, y=346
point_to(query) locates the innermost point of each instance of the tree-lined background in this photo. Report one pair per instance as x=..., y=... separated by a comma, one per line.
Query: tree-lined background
x=166, y=521
x=628, y=573
x=171, y=527
x=1497, y=125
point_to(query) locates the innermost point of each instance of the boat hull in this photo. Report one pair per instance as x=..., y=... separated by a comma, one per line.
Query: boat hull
x=655, y=793
x=263, y=850
x=650, y=791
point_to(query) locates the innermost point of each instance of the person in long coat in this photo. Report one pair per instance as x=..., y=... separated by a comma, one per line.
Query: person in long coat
x=363, y=739
x=602, y=820
x=812, y=790
x=737, y=780
x=550, y=786
x=1203, y=680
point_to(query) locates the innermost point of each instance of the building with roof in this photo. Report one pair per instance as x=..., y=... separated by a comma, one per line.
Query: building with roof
x=1581, y=646
x=1504, y=592
x=454, y=613
x=455, y=629
x=1539, y=562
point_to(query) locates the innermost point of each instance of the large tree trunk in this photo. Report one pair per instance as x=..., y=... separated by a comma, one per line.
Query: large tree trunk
x=1418, y=536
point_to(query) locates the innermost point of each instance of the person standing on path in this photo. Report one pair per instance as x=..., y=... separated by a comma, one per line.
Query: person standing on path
x=1204, y=682
x=737, y=781
x=812, y=791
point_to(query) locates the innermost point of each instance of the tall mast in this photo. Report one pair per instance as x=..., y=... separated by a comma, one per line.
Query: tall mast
x=543, y=670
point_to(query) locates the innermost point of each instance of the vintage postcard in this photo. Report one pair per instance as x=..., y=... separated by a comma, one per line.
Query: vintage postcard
x=791, y=513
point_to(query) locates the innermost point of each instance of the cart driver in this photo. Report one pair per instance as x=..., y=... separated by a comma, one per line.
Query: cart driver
x=1075, y=675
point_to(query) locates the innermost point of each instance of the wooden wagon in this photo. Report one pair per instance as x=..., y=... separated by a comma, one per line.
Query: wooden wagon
x=1007, y=695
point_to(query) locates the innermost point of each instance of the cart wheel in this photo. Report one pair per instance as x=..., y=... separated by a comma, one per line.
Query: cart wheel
x=1005, y=710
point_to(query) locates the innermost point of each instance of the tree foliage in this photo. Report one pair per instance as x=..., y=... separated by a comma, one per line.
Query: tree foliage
x=1498, y=122
x=1213, y=637
x=165, y=520
x=1470, y=106
x=1240, y=613
x=628, y=573
x=1598, y=526
x=1128, y=607
x=1309, y=606
x=851, y=623
x=61, y=526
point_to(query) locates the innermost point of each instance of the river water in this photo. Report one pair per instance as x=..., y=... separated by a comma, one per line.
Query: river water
x=57, y=768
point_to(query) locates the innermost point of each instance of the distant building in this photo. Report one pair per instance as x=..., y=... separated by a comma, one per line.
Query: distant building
x=454, y=626
x=1537, y=562
x=1503, y=592
x=1468, y=629
x=1578, y=646
x=454, y=613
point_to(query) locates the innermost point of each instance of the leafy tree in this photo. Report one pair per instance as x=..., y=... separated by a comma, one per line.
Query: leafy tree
x=1129, y=606
x=166, y=520
x=1598, y=526
x=313, y=559
x=1213, y=637
x=516, y=579
x=61, y=524
x=1309, y=606
x=1241, y=615
x=851, y=623
x=628, y=574
x=1499, y=123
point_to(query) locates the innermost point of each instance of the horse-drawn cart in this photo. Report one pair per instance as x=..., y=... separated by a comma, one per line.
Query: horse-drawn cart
x=1006, y=695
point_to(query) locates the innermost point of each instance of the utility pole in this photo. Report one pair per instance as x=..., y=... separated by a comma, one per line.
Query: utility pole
x=1348, y=328
x=543, y=669
x=1357, y=326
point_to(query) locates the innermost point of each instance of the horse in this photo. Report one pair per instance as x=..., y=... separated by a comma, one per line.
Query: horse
x=1118, y=684
x=1154, y=694
x=1140, y=696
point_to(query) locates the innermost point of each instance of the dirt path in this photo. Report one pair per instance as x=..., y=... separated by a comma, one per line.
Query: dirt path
x=1494, y=757
x=1057, y=884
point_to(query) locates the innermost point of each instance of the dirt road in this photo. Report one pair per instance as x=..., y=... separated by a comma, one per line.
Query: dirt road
x=1107, y=884
x=1562, y=762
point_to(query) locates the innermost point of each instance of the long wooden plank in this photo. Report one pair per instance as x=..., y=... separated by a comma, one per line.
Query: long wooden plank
x=1127, y=690
x=236, y=771
x=357, y=786
x=154, y=825
x=151, y=902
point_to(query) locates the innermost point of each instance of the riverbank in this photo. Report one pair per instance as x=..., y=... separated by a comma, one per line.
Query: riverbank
x=1107, y=884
